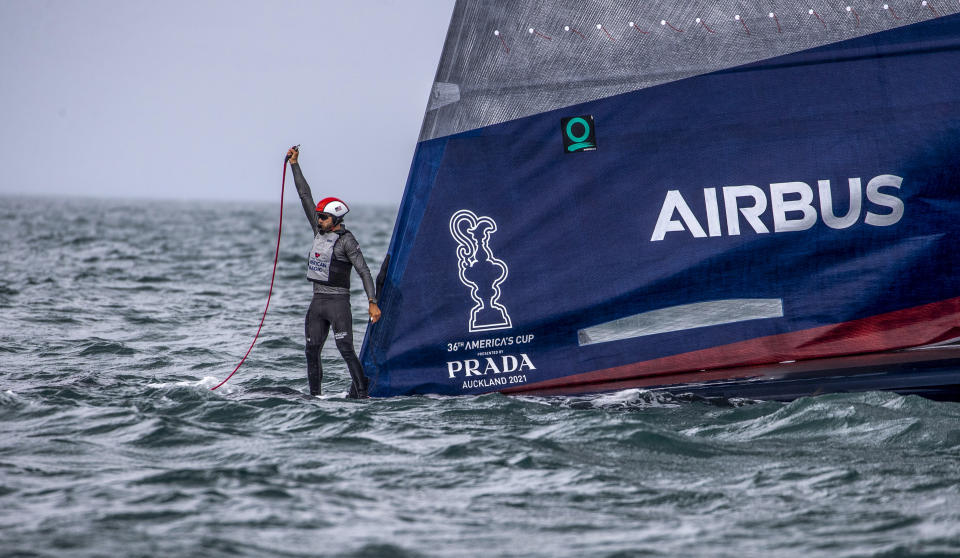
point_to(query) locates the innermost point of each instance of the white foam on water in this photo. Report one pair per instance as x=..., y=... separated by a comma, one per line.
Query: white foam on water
x=207, y=382
x=633, y=395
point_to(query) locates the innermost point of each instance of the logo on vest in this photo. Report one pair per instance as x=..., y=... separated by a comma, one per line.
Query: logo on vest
x=479, y=270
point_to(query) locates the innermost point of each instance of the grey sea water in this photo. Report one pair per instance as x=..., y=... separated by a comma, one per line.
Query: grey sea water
x=116, y=317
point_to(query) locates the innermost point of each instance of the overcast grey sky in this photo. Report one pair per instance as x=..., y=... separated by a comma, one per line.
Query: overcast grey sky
x=200, y=99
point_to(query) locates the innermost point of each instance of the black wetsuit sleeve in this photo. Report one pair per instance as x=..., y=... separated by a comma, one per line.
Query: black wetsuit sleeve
x=306, y=197
x=352, y=249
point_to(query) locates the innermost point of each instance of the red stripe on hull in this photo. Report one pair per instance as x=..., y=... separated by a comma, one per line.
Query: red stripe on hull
x=911, y=327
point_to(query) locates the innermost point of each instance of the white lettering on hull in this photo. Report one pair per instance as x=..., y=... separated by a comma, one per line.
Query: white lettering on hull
x=505, y=364
x=790, y=204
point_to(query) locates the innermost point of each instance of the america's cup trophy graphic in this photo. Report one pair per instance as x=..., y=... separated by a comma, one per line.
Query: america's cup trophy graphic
x=480, y=270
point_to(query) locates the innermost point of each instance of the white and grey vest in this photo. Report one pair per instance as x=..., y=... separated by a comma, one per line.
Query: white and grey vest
x=322, y=267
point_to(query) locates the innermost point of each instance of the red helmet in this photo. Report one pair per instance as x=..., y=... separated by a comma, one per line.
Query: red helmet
x=333, y=206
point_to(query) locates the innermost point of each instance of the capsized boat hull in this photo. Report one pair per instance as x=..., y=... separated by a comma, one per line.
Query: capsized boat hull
x=588, y=219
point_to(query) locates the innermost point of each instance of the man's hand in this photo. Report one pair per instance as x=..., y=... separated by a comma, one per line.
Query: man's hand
x=292, y=155
x=374, y=312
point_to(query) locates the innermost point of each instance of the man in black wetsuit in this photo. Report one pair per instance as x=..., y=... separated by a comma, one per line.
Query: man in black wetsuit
x=334, y=252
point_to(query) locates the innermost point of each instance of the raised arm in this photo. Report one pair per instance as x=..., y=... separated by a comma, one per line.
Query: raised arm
x=303, y=189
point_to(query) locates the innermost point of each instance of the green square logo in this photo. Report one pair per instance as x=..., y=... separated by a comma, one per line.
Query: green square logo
x=579, y=133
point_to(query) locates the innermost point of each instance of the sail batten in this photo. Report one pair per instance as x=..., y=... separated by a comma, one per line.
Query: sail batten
x=682, y=318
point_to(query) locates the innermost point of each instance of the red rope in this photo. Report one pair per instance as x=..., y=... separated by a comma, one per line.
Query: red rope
x=276, y=256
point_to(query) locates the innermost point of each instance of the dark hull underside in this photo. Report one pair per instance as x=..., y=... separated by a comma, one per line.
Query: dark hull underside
x=933, y=373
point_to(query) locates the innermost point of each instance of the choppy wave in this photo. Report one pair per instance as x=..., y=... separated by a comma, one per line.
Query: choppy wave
x=114, y=444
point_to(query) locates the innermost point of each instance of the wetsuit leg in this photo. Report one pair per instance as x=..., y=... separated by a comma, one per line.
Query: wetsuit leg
x=316, y=327
x=342, y=321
